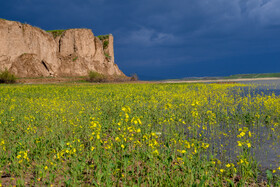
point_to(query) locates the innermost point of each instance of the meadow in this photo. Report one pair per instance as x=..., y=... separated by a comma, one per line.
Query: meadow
x=139, y=135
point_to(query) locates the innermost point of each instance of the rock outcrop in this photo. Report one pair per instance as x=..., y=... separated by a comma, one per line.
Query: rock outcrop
x=28, y=51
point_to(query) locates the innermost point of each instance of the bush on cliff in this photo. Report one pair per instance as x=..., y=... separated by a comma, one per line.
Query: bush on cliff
x=96, y=77
x=7, y=77
x=105, y=44
x=103, y=37
x=56, y=33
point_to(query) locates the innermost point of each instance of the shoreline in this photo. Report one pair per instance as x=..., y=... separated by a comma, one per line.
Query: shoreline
x=77, y=80
x=221, y=80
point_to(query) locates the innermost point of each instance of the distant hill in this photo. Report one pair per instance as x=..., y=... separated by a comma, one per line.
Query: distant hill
x=236, y=76
x=257, y=75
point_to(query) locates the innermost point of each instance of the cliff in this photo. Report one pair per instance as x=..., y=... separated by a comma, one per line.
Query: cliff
x=28, y=51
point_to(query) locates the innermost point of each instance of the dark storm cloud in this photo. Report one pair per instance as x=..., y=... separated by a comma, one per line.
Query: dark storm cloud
x=170, y=38
x=208, y=31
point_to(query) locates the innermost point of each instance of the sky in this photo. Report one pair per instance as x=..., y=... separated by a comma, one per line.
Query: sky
x=169, y=39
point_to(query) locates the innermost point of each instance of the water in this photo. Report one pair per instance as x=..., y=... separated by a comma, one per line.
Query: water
x=265, y=143
x=267, y=148
x=266, y=86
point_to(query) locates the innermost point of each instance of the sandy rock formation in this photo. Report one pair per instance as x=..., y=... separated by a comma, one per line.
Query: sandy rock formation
x=28, y=51
x=29, y=65
x=80, y=41
x=110, y=48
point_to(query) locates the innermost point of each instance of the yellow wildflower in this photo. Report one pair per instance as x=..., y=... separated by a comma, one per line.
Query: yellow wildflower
x=155, y=152
x=249, y=145
x=242, y=134
x=239, y=143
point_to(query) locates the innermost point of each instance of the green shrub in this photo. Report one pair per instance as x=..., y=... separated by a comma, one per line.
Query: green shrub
x=105, y=44
x=96, y=77
x=7, y=77
x=56, y=33
x=134, y=77
x=103, y=37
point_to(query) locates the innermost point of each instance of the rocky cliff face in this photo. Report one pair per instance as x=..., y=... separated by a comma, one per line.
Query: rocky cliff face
x=28, y=51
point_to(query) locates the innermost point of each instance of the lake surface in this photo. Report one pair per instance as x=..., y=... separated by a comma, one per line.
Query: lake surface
x=265, y=86
x=265, y=142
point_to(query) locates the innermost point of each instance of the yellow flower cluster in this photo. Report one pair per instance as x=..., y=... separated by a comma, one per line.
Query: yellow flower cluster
x=243, y=131
x=22, y=156
x=2, y=144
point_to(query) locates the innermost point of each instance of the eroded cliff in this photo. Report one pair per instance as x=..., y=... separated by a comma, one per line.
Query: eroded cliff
x=28, y=51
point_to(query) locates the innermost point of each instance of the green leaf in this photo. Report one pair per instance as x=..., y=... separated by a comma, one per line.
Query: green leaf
x=231, y=183
x=269, y=175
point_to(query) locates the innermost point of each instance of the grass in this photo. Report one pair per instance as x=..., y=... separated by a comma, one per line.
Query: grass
x=74, y=59
x=137, y=135
x=107, y=55
x=56, y=33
